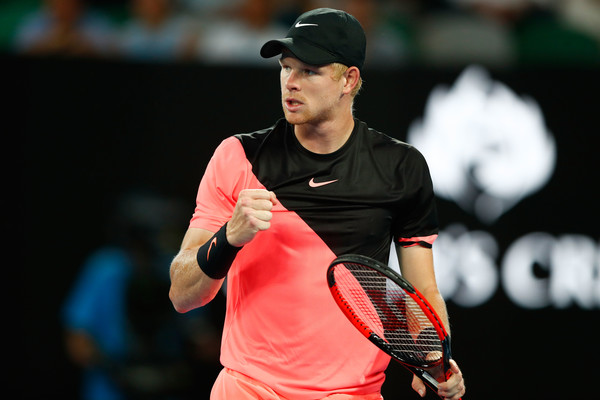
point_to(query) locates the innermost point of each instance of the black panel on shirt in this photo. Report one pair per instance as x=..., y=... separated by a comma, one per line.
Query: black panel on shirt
x=382, y=187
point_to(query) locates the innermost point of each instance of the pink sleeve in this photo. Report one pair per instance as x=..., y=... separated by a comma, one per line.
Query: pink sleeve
x=423, y=241
x=227, y=173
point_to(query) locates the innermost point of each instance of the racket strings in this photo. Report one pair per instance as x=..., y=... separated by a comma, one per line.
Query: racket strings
x=389, y=312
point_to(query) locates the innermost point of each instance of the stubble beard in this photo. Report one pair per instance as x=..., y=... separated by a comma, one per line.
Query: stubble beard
x=307, y=116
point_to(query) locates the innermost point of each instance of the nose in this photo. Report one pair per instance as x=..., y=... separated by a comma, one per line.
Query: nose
x=291, y=81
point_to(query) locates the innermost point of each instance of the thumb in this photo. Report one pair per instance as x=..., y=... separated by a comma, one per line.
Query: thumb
x=273, y=198
x=454, y=367
x=418, y=386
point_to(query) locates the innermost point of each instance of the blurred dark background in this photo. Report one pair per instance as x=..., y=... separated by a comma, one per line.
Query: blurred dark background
x=112, y=140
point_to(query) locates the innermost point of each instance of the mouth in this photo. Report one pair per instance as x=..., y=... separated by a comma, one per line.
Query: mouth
x=292, y=104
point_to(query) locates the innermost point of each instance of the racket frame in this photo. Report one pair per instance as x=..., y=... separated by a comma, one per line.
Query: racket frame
x=419, y=370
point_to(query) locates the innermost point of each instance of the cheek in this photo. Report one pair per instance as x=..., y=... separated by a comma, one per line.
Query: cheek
x=329, y=98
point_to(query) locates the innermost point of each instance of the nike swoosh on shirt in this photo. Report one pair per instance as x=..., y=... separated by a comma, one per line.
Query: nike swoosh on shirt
x=314, y=184
x=300, y=25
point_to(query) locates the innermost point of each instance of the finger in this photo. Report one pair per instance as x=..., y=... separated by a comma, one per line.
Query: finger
x=261, y=204
x=260, y=224
x=257, y=198
x=263, y=215
x=418, y=386
x=454, y=387
x=454, y=367
x=256, y=194
x=454, y=393
x=274, y=200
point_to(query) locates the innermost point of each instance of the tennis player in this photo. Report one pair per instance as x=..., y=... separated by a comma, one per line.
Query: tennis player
x=276, y=206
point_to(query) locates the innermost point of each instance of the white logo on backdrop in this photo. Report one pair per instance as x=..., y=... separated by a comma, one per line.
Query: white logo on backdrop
x=487, y=148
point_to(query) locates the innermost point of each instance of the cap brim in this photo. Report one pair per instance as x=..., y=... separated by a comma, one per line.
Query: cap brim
x=303, y=50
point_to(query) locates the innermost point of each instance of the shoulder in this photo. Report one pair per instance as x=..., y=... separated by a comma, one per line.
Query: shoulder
x=253, y=141
x=262, y=134
x=239, y=151
x=388, y=146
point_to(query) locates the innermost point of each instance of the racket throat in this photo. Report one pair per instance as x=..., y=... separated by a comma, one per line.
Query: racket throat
x=389, y=349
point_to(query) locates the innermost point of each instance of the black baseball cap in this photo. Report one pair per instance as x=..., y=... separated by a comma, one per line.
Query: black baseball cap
x=323, y=36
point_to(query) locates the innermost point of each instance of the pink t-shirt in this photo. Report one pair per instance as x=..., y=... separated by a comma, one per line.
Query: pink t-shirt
x=282, y=326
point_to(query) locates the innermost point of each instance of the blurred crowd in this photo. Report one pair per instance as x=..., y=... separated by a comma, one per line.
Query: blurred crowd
x=120, y=329
x=495, y=33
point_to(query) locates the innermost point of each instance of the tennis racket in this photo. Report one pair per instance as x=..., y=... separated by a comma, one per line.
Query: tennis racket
x=393, y=315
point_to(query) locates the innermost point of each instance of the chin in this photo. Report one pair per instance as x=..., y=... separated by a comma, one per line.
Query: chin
x=295, y=119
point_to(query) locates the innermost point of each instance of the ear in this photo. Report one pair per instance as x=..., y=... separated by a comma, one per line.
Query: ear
x=351, y=77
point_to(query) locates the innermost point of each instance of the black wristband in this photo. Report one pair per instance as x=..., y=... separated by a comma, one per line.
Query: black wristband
x=216, y=255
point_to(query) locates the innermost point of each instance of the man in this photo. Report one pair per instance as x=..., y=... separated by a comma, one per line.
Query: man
x=276, y=206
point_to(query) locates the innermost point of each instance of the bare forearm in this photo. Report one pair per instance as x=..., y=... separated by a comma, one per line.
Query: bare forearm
x=417, y=267
x=435, y=299
x=190, y=287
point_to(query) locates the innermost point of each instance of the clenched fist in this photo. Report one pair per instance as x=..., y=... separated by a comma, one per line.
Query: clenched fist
x=252, y=214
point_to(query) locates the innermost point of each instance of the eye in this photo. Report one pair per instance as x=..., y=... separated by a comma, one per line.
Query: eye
x=310, y=72
x=284, y=67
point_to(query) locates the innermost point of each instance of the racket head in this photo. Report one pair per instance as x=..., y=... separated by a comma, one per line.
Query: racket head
x=391, y=313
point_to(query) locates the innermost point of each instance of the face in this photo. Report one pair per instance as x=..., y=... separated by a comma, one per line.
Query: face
x=310, y=94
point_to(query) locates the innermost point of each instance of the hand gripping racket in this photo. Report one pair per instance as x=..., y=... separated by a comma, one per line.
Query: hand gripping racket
x=392, y=314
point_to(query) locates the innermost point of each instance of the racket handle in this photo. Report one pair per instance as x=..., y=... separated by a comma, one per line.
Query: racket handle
x=425, y=376
x=448, y=374
x=428, y=380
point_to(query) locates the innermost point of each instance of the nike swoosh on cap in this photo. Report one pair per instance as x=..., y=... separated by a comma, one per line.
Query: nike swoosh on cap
x=300, y=25
x=314, y=184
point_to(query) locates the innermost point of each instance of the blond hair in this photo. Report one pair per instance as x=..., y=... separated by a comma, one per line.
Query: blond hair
x=338, y=71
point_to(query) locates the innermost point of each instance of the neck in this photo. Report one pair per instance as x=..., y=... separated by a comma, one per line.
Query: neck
x=325, y=137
